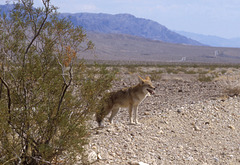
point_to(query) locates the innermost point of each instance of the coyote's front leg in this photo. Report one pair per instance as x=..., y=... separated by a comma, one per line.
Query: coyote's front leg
x=114, y=112
x=130, y=114
x=135, y=113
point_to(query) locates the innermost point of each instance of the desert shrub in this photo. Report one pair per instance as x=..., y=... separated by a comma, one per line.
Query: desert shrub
x=46, y=96
x=189, y=71
x=132, y=68
x=232, y=91
x=223, y=71
x=230, y=83
x=205, y=78
x=172, y=70
x=155, y=75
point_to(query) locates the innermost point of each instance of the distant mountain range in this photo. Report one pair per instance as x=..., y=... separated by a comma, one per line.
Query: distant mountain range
x=212, y=40
x=145, y=28
x=125, y=38
x=128, y=24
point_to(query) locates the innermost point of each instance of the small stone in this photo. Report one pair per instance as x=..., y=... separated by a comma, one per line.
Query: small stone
x=231, y=156
x=90, y=157
x=231, y=127
x=190, y=158
x=196, y=128
x=179, y=111
x=180, y=147
x=133, y=163
x=94, y=147
x=216, y=159
x=99, y=157
x=160, y=132
x=146, y=113
x=204, y=164
x=141, y=163
x=112, y=154
x=180, y=90
x=137, y=163
x=97, y=132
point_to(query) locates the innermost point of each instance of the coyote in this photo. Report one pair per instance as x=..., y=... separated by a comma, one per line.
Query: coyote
x=126, y=98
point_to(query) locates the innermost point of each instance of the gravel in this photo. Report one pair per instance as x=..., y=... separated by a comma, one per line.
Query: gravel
x=185, y=122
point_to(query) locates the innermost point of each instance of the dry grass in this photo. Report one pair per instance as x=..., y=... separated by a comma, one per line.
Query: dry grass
x=230, y=79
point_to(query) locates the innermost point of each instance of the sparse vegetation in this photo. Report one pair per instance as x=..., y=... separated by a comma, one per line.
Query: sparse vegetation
x=203, y=72
x=230, y=81
x=232, y=91
x=172, y=70
x=155, y=76
x=205, y=78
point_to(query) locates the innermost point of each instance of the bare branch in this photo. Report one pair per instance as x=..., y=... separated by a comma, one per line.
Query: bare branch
x=8, y=161
x=65, y=87
x=8, y=94
x=46, y=4
x=40, y=160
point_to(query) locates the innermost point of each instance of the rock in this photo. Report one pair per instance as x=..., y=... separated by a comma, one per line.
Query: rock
x=207, y=123
x=146, y=113
x=216, y=159
x=137, y=163
x=133, y=163
x=179, y=111
x=196, y=128
x=89, y=157
x=160, y=132
x=141, y=163
x=99, y=157
x=94, y=147
x=92, y=157
x=231, y=127
x=180, y=147
x=180, y=90
x=190, y=158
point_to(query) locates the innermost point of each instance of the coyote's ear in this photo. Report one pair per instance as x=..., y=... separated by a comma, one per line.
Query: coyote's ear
x=148, y=78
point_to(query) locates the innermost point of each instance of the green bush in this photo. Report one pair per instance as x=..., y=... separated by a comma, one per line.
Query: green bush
x=45, y=98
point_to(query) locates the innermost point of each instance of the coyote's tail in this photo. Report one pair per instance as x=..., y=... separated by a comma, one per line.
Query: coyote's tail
x=100, y=116
x=105, y=108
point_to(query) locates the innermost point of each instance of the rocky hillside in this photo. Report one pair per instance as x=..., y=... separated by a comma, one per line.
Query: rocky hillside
x=127, y=24
x=123, y=24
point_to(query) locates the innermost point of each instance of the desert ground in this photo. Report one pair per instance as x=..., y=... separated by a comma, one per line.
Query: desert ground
x=193, y=118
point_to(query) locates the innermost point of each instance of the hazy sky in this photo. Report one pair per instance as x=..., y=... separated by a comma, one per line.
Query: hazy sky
x=211, y=17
